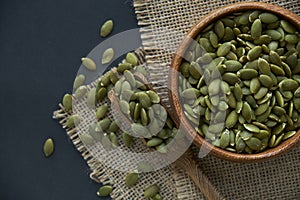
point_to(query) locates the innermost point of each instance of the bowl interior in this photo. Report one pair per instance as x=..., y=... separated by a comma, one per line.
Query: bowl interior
x=173, y=81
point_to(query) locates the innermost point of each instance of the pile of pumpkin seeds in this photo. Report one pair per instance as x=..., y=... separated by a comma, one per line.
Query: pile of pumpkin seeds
x=239, y=82
x=136, y=102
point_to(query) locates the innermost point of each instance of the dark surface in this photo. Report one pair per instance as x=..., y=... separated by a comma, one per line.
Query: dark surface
x=41, y=43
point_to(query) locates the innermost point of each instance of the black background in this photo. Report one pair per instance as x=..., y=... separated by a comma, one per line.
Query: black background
x=41, y=43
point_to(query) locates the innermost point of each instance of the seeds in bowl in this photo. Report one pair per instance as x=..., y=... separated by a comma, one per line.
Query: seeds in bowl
x=239, y=82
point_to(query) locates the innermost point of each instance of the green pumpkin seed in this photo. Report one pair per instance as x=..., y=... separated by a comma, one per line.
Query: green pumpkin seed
x=204, y=43
x=88, y=63
x=104, y=191
x=101, y=111
x=101, y=94
x=256, y=28
x=106, y=28
x=145, y=100
x=213, y=38
x=254, y=53
x=114, y=139
x=277, y=70
x=67, y=102
x=139, y=129
x=247, y=112
x=113, y=127
x=275, y=58
x=254, y=143
x=151, y=191
x=103, y=125
x=254, y=15
x=288, y=135
x=228, y=34
x=278, y=140
x=266, y=81
x=107, y=56
x=131, y=179
x=154, y=142
x=224, y=49
x=278, y=129
x=80, y=92
x=127, y=139
x=190, y=93
x=262, y=108
x=231, y=120
x=144, y=117
x=130, y=78
x=245, y=135
x=195, y=70
x=292, y=39
x=247, y=74
x=79, y=80
x=73, y=121
x=251, y=128
x=153, y=96
x=288, y=84
x=240, y=145
x=124, y=66
x=279, y=110
x=219, y=29
x=124, y=106
x=225, y=139
x=91, y=98
x=288, y=27
x=264, y=66
x=230, y=78
x=48, y=147
x=132, y=59
x=268, y=18
x=232, y=65
x=261, y=93
x=275, y=35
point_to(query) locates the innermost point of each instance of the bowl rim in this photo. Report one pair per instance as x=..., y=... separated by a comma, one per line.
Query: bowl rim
x=199, y=141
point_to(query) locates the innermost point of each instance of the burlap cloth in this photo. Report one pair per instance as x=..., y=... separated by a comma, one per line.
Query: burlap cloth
x=163, y=25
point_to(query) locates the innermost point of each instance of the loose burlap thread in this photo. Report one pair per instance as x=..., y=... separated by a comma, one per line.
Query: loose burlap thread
x=275, y=179
x=163, y=26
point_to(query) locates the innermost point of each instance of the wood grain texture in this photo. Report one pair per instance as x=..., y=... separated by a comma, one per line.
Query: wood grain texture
x=173, y=81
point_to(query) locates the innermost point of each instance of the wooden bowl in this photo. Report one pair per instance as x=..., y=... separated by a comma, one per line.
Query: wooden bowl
x=173, y=81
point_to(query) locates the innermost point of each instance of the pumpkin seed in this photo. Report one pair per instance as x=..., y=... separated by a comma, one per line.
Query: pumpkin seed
x=266, y=80
x=251, y=128
x=101, y=111
x=254, y=143
x=104, y=191
x=268, y=18
x=247, y=74
x=48, y=147
x=67, y=102
x=106, y=28
x=225, y=139
x=288, y=135
x=261, y=93
x=154, y=142
x=288, y=84
x=256, y=28
x=230, y=78
x=107, y=56
x=103, y=125
x=278, y=140
x=132, y=59
x=124, y=66
x=254, y=53
x=151, y=191
x=73, y=121
x=88, y=63
x=113, y=127
x=80, y=92
x=91, y=98
x=131, y=179
x=127, y=139
x=224, y=49
x=130, y=78
x=79, y=80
